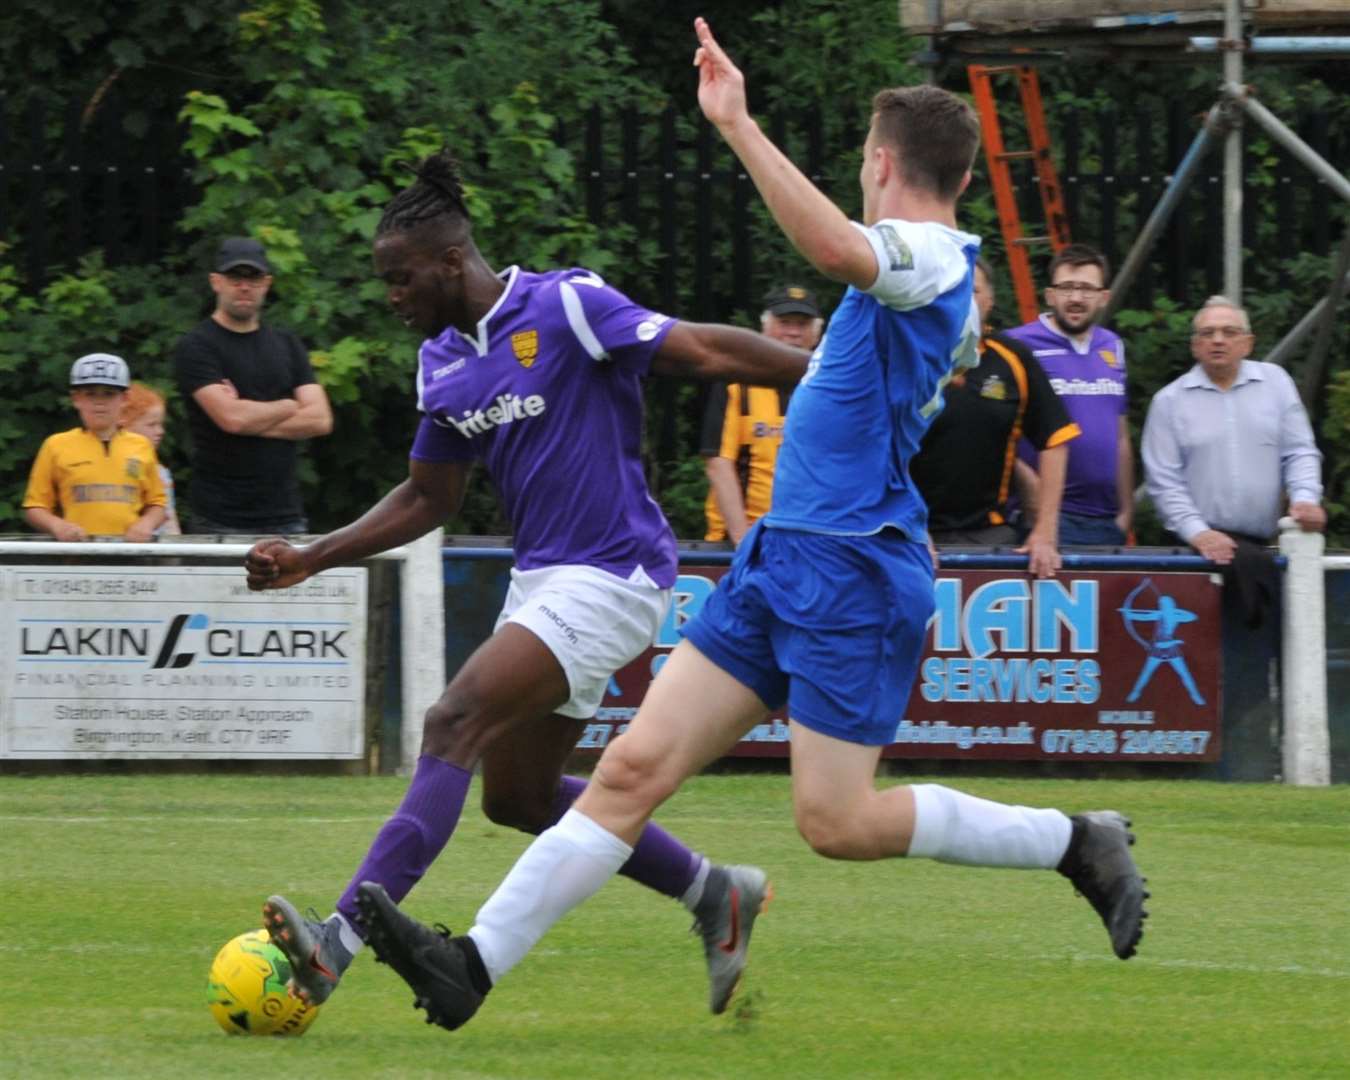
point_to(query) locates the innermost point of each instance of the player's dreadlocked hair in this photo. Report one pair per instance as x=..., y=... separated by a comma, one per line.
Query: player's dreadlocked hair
x=437, y=192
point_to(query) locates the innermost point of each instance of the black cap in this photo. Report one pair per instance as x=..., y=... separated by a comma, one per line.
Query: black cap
x=792, y=300
x=241, y=251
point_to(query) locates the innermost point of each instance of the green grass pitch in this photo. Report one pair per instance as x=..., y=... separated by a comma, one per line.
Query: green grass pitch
x=117, y=890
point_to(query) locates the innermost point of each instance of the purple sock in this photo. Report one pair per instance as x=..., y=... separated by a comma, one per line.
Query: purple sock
x=408, y=842
x=659, y=861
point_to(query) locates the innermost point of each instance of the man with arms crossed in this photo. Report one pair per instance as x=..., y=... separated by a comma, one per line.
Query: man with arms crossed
x=827, y=600
x=251, y=399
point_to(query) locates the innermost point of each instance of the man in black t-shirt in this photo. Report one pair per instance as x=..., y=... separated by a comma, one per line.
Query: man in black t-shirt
x=250, y=396
x=965, y=463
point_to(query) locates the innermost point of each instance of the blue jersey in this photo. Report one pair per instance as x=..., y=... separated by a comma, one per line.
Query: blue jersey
x=875, y=383
x=547, y=395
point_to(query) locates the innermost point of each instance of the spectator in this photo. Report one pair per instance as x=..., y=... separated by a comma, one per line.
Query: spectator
x=96, y=479
x=251, y=396
x=743, y=425
x=1225, y=442
x=143, y=413
x=1086, y=366
x=965, y=463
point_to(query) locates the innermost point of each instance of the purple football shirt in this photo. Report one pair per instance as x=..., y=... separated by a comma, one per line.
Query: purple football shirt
x=548, y=395
x=1091, y=383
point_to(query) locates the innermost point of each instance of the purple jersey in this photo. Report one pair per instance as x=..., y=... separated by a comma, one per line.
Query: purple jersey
x=1091, y=383
x=548, y=395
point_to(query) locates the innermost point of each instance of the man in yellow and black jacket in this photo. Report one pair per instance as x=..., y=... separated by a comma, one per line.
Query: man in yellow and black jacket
x=743, y=425
x=964, y=467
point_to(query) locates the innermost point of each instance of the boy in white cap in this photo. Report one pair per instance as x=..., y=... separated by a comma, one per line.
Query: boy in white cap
x=96, y=479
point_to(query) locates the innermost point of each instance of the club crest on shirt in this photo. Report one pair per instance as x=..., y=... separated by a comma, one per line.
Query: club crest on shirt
x=525, y=344
x=1109, y=357
x=994, y=388
x=897, y=251
x=133, y=468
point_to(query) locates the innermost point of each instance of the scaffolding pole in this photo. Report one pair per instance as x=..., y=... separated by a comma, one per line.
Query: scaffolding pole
x=1287, y=138
x=1215, y=122
x=1232, y=158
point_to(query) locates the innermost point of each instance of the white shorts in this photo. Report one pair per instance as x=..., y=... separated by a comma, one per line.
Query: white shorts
x=593, y=621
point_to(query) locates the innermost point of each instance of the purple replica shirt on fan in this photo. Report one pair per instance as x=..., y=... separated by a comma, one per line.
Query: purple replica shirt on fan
x=1090, y=380
x=548, y=395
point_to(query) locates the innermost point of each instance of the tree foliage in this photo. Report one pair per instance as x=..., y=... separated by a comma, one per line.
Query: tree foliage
x=296, y=119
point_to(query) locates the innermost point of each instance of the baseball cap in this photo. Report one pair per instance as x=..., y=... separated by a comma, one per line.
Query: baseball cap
x=792, y=300
x=100, y=369
x=241, y=251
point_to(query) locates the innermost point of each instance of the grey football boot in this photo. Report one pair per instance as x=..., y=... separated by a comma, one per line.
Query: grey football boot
x=318, y=957
x=1102, y=870
x=733, y=897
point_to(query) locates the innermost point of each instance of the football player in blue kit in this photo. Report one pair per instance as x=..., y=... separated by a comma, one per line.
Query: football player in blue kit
x=537, y=375
x=828, y=597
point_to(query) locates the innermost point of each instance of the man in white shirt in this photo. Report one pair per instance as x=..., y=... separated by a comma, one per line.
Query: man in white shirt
x=1225, y=442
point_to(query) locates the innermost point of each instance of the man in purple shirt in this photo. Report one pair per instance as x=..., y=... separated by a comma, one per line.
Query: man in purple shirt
x=1086, y=366
x=537, y=375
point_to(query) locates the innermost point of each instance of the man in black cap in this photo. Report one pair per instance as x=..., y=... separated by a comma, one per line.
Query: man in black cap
x=743, y=425
x=251, y=395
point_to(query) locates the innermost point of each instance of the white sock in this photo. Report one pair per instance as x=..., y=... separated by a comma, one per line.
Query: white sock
x=563, y=867
x=953, y=827
x=694, y=893
x=351, y=940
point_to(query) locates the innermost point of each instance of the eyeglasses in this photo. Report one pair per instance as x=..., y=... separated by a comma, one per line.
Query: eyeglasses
x=1082, y=288
x=1207, y=332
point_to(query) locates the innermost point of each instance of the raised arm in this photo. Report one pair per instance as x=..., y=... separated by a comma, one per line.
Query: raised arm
x=432, y=492
x=729, y=354
x=816, y=227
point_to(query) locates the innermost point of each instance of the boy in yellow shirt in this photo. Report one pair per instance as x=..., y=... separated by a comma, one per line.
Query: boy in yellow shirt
x=96, y=479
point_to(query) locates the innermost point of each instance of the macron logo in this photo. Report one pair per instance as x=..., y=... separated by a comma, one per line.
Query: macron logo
x=505, y=410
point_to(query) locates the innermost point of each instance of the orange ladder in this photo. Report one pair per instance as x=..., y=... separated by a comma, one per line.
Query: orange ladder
x=997, y=156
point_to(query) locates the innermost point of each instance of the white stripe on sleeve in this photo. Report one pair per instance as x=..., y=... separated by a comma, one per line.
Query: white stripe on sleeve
x=576, y=318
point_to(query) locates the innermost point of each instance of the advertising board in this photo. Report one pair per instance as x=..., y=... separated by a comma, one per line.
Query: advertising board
x=179, y=662
x=1106, y=666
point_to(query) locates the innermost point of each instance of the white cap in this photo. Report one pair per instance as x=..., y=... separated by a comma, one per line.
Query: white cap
x=100, y=369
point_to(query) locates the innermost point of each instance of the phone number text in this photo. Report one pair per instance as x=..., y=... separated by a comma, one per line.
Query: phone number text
x=1149, y=741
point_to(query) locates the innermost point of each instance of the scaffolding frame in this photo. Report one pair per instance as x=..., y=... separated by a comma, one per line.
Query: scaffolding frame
x=1223, y=125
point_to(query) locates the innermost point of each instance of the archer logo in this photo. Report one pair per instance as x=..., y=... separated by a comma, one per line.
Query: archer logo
x=167, y=656
x=1165, y=646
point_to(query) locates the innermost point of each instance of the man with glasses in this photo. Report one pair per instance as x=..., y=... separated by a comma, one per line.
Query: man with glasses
x=251, y=395
x=1225, y=443
x=1086, y=366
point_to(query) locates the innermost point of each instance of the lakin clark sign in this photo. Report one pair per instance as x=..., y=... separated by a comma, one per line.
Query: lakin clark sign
x=179, y=662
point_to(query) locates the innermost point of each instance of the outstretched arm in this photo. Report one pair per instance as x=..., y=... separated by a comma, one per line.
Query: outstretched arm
x=816, y=227
x=728, y=354
x=432, y=492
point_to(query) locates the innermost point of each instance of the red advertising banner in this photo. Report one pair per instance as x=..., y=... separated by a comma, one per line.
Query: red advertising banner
x=1102, y=666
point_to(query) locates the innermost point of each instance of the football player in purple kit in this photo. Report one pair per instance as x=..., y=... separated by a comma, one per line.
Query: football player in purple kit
x=829, y=594
x=1086, y=366
x=538, y=376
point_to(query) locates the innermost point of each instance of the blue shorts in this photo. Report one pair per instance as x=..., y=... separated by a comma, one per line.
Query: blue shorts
x=832, y=625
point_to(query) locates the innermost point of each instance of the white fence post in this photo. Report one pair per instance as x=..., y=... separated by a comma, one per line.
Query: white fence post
x=422, y=596
x=1307, y=738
